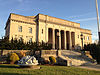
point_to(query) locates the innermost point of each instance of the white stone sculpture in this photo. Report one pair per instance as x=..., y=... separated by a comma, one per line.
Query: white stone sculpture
x=28, y=60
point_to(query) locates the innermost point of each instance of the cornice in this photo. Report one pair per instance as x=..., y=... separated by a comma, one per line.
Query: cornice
x=65, y=25
x=23, y=22
x=21, y=15
x=57, y=23
x=86, y=33
x=59, y=18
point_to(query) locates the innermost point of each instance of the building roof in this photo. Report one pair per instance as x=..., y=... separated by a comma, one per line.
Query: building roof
x=33, y=17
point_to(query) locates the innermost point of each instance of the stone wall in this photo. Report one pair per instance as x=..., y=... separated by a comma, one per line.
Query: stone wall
x=5, y=52
x=47, y=53
x=56, y=53
x=66, y=57
x=87, y=53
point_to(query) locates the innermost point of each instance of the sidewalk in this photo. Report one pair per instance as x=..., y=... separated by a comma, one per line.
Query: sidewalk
x=91, y=67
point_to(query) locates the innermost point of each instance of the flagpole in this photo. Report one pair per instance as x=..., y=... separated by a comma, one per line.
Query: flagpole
x=98, y=20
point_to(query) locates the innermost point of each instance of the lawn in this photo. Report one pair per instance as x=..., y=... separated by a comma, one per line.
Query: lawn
x=45, y=70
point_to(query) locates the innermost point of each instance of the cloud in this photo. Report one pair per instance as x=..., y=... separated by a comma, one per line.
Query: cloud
x=95, y=36
x=78, y=16
x=86, y=19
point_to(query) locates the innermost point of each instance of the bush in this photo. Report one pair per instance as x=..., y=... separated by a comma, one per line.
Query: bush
x=94, y=51
x=52, y=59
x=8, y=57
x=46, y=62
x=14, y=57
x=46, y=46
x=15, y=44
x=22, y=54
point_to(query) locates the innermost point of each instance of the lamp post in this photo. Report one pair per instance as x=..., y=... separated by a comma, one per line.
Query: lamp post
x=82, y=39
x=98, y=20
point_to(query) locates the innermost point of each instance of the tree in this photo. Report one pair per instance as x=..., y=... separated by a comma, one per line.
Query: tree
x=15, y=44
x=94, y=51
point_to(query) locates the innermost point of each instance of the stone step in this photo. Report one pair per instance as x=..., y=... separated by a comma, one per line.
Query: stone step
x=75, y=58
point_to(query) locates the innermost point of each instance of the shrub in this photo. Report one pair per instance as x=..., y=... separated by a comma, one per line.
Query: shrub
x=14, y=57
x=94, y=51
x=46, y=46
x=22, y=54
x=46, y=62
x=52, y=59
x=8, y=57
x=15, y=44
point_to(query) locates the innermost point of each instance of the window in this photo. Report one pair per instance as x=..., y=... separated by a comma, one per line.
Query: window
x=84, y=37
x=20, y=39
x=78, y=36
x=30, y=40
x=87, y=37
x=30, y=30
x=20, y=28
x=42, y=31
x=15, y=36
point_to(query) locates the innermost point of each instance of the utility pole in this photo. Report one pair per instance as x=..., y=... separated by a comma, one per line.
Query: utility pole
x=98, y=20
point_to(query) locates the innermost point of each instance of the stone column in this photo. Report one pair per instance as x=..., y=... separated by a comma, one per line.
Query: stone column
x=59, y=39
x=70, y=41
x=65, y=39
x=53, y=38
x=47, y=35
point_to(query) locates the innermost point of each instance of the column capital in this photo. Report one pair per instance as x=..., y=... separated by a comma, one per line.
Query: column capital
x=53, y=28
x=64, y=31
x=59, y=29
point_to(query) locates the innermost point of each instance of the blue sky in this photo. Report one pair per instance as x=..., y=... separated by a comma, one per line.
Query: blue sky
x=81, y=11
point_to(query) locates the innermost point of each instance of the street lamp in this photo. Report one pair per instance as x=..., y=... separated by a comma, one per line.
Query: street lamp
x=82, y=39
x=98, y=20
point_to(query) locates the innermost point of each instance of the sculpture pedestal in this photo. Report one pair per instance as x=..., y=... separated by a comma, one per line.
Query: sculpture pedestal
x=29, y=66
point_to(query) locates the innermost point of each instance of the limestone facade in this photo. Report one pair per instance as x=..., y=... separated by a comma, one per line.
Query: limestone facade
x=62, y=34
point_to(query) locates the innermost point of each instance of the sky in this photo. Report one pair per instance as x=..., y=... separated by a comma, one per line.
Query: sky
x=80, y=11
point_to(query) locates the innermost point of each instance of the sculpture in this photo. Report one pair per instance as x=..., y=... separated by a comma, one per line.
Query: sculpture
x=28, y=60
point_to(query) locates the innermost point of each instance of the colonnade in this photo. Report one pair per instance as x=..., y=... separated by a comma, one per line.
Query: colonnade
x=61, y=39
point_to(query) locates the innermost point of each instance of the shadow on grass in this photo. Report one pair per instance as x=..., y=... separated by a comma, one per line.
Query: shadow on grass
x=11, y=74
x=8, y=66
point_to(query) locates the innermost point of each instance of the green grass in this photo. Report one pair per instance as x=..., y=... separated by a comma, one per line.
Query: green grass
x=6, y=69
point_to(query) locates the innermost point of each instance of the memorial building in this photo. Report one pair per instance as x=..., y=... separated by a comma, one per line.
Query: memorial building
x=60, y=33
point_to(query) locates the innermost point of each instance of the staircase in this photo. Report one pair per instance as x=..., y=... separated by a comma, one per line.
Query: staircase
x=73, y=58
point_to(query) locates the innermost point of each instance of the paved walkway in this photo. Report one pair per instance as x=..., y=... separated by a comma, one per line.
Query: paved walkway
x=91, y=67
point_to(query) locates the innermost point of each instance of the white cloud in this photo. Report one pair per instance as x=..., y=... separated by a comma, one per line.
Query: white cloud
x=86, y=19
x=95, y=37
x=78, y=16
